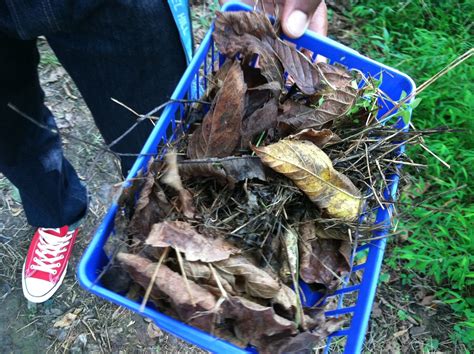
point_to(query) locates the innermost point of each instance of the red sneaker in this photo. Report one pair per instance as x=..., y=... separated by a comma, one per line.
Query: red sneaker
x=46, y=263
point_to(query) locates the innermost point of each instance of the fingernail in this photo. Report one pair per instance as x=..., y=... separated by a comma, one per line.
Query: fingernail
x=297, y=23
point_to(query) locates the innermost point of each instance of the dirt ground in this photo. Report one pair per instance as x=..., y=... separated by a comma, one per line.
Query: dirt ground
x=403, y=320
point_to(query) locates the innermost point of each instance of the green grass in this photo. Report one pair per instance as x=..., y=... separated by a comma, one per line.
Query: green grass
x=420, y=37
x=49, y=59
x=203, y=15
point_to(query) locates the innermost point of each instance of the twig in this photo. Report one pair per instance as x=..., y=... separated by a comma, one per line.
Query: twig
x=70, y=136
x=435, y=156
x=186, y=282
x=218, y=282
x=152, y=280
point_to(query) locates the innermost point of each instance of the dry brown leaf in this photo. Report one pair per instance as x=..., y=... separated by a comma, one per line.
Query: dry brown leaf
x=195, y=246
x=237, y=23
x=66, y=321
x=255, y=323
x=257, y=282
x=228, y=170
x=153, y=331
x=312, y=171
x=201, y=273
x=335, y=105
x=172, y=178
x=294, y=114
x=333, y=233
x=173, y=285
x=320, y=138
x=219, y=134
x=261, y=120
x=249, y=34
x=321, y=260
x=285, y=302
x=152, y=205
x=304, y=73
x=306, y=342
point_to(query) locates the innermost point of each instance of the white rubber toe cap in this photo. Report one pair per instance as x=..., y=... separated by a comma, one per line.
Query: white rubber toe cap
x=39, y=290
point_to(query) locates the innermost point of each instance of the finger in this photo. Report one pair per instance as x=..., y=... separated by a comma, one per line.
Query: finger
x=319, y=21
x=296, y=16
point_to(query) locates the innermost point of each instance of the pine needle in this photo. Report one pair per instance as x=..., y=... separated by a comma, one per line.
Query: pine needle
x=152, y=280
x=218, y=282
x=186, y=282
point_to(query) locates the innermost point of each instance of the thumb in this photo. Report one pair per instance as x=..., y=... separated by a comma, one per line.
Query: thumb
x=296, y=16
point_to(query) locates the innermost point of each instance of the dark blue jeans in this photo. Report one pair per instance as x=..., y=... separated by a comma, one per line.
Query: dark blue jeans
x=126, y=49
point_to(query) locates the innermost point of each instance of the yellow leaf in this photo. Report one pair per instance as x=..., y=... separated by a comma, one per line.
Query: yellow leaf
x=312, y=171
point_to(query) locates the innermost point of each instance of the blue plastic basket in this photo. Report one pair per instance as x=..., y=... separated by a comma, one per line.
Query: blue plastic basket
x=354, y=299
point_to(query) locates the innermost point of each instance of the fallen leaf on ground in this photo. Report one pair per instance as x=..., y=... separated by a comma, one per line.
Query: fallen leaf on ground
x=312, y=171
x=219, y=134
x=427, y=300
x=153, y=331
x=195, y=246
x=66, y=321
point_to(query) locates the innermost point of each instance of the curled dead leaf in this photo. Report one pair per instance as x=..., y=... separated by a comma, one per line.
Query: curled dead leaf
x=195, y=246
x=285, y=302
x=228, y=170
x=201, y=273
x=249, y=34
x=322, y=261
x=318, y=137
x=255, y=323
x=306, y=342
x=257, y=282
x=172, y=178
x=65, y=321
x=312, y=171
x=152, y=205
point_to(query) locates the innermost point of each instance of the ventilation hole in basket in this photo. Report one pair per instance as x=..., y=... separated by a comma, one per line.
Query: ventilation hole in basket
x=170, y=130
x=337, y=344
x=349, y=299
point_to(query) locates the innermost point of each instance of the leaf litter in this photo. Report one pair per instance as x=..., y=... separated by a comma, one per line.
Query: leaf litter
x=276, y=183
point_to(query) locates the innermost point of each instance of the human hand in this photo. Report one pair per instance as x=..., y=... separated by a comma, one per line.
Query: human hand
x=297, y=15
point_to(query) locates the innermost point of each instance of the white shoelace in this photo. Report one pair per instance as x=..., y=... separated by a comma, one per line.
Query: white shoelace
x=50, y=245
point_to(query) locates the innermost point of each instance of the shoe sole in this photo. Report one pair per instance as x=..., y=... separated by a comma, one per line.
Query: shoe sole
x=45, y=297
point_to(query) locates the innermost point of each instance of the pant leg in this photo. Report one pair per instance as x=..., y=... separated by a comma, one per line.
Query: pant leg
x=31, y=157
x=129, y=50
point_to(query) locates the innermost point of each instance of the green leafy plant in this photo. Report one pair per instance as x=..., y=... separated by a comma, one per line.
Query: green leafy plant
x=420, y=38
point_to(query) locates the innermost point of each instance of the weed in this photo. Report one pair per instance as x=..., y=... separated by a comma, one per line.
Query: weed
x=49, y=59
x=202, y=16
x=420, y=38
